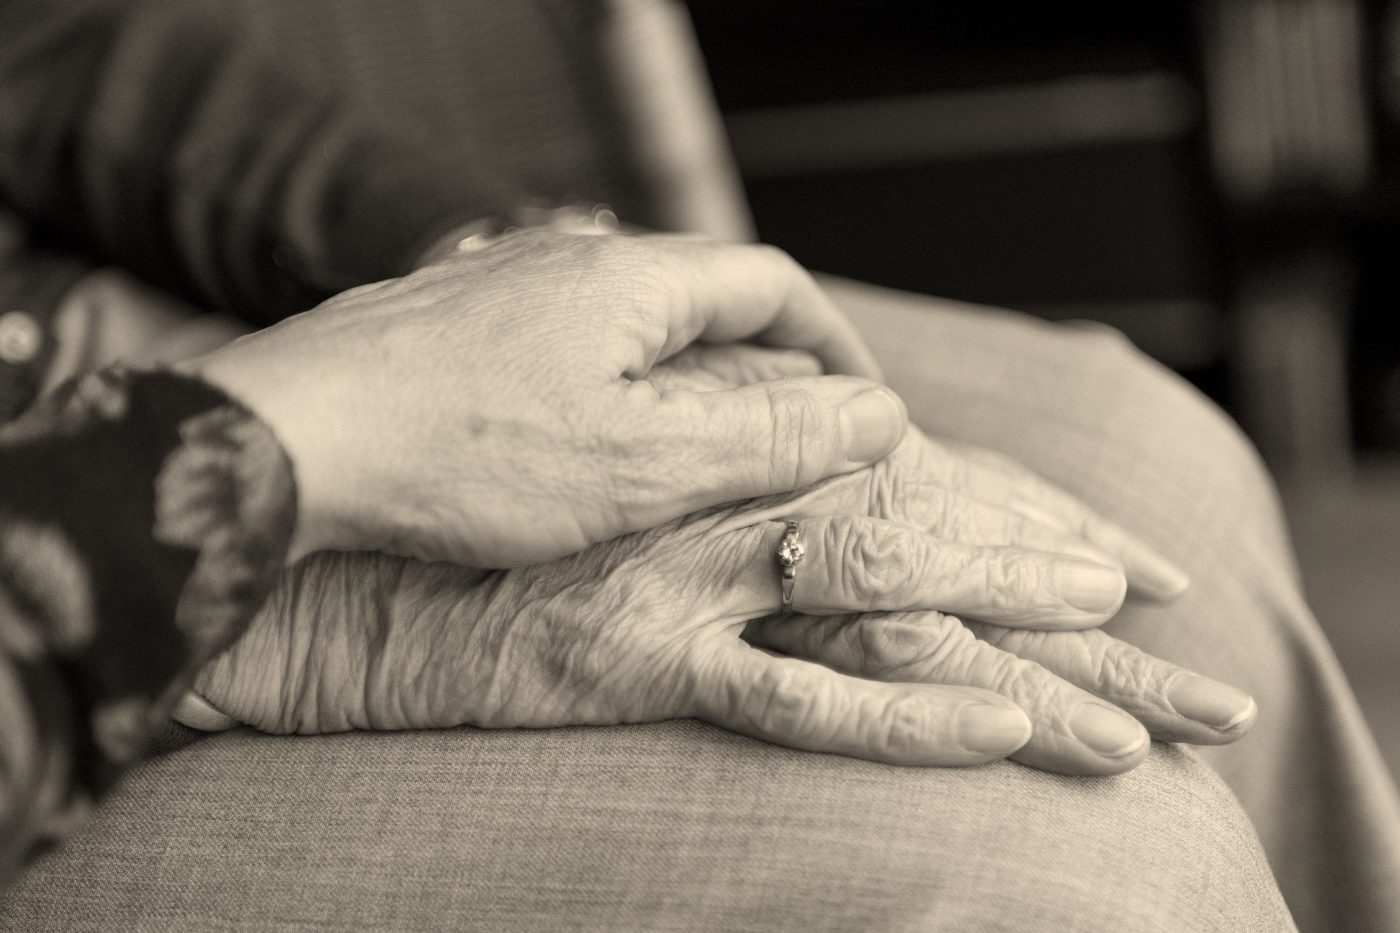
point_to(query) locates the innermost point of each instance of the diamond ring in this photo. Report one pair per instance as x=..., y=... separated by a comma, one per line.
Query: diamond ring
x=790, y=554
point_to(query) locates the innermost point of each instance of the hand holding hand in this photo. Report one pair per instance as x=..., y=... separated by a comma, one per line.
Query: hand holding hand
x=645, y=628
x=491, y=409
x=956, y=492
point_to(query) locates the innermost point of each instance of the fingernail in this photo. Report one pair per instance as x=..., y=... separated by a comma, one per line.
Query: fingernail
x=198, y=713
x=993, y=729
x=871, y=424
x=1107, y=732
x=1088, y=586
x=1210, y=701
x=1161, y=577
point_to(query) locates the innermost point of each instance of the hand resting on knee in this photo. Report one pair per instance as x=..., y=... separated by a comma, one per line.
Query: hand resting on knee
x=679, y=621
x=960, y=530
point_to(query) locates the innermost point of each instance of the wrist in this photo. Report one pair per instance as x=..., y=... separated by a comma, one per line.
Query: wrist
x=273, y=400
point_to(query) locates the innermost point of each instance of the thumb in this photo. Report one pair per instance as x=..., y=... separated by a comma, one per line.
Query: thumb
x=777, y=436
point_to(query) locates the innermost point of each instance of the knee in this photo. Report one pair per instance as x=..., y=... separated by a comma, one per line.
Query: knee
x=1177, y=437
x=1159, y=402
x=1166, y=847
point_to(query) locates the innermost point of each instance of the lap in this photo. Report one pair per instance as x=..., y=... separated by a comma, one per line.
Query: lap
x=674, y=826
x=1083, y=408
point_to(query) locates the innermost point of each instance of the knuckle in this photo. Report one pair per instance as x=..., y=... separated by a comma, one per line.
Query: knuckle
x=871, y=566
x=897, y=648
x=960, y=658
x=1123, y=670
x=1008, y=675
x=789, y=271
x=1013, y=580
x=1045, y=695
x=905, y=726
x=796, y=457
x=782, y=705
x=884, y=646
x=587, y=662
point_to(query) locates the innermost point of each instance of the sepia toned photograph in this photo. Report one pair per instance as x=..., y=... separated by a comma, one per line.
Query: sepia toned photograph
x=773, y=466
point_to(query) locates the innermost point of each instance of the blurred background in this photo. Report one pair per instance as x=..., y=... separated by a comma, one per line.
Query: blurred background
x=1218, y=179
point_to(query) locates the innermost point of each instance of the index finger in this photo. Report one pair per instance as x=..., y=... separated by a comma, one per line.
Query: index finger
x=739, y=291
x=994, y=477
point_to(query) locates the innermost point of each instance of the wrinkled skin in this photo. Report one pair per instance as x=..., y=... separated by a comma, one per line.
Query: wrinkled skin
x=649, y=626
x=490, y=409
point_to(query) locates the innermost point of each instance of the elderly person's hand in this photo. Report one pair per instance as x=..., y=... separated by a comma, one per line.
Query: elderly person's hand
x=491, y=409
x=957, y=491
x=982, y=498
x=641, y=628
x=645, y=628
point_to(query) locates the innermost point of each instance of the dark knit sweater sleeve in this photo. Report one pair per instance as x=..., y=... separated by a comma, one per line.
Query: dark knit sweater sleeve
x=144, y=519
x=161, y=138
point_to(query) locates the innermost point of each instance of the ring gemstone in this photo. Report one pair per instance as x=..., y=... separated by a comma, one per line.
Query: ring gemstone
x=791, y=551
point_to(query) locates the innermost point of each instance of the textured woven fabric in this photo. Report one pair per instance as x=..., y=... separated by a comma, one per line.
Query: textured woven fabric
x=1087, y=411
x=669, y=827
x=567, y=100
x=144, y=518
x=520, y=86
x=680, y=827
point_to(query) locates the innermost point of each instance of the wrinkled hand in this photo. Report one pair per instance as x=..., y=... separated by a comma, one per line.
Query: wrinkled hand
x=980, y=498
x=645, y=628
x=1089, y=695
x=491, y=409
x=957, y=492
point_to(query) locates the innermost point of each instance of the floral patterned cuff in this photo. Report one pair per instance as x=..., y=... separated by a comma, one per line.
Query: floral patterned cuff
x=144, y=518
